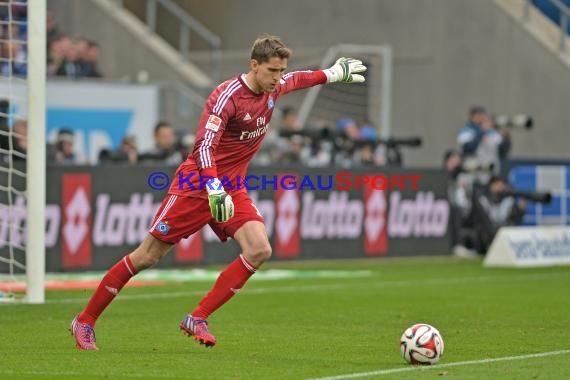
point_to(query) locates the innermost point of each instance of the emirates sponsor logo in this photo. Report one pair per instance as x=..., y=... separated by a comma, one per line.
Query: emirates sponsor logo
x=246, y=135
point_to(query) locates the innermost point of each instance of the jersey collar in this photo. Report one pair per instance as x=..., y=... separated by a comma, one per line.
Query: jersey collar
x=241, y=78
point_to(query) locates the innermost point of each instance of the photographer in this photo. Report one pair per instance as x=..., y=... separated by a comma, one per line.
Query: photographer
x=460, y=194
x=345, y=142
x=495, y=207
x=479, y=140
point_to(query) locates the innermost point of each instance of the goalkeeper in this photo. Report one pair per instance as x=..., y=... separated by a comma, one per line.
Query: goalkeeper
x=232, y=127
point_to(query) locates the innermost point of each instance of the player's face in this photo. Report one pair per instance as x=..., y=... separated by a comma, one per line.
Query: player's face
x=268, y=74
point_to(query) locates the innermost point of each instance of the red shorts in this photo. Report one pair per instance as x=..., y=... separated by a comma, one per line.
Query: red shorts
x=179, y=217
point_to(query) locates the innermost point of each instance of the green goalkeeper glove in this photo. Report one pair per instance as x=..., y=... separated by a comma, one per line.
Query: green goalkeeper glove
x=221, y=204
x=344, y=70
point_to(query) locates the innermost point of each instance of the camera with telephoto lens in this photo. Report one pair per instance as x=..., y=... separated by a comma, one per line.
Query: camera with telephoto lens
x=394, y=142
x=534, y=196
x=519, y=121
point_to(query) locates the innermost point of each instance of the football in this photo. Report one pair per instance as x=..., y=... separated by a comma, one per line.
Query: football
x=421, y=344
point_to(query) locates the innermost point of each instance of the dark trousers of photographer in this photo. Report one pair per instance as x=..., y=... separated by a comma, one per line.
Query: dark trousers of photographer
x=491, y=212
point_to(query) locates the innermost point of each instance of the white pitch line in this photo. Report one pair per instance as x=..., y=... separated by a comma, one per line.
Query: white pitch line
x=440, y=366
x=318, y=287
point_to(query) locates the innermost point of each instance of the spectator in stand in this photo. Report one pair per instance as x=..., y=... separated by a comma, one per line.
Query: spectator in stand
x=55, y=55
x=51, y=28
x=73, y=58
x=19, y=10
x=126, y=153
x=164, y=151
x=4, y=130
x=65, y=151
x=13, y=59
x=69, y=66
x=87, y=58
x=82, y=45
x=185, y=143
x=20, y=139
x=91, y=61
x=14, y=31
x=13, y=141
x=290, y=120
x=4, y=112
x=274, y=146
x=297, y=151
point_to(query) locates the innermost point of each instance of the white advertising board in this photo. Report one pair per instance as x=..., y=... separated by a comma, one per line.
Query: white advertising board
x=530, y=247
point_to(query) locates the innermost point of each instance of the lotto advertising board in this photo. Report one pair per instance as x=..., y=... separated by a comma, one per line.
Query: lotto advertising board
x=95, y=215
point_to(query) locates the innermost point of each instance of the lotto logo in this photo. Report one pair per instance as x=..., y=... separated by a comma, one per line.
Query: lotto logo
x=163, y=228
x=76, y=228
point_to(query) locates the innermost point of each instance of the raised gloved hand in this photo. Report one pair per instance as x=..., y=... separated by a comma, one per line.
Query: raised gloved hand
x=221, y=204
x=344, y=70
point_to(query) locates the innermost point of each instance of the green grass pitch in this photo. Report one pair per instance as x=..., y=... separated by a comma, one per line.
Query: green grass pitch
x=307, y=328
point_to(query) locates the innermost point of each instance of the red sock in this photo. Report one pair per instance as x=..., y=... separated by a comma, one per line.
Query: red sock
x=228, y=283
x=108, y=288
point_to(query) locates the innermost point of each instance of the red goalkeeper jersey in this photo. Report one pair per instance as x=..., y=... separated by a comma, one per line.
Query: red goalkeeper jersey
x=232, y=127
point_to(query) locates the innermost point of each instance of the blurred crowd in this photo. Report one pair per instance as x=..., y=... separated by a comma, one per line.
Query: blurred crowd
x=67, y=56
x=348, y=143
x=171, y=146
